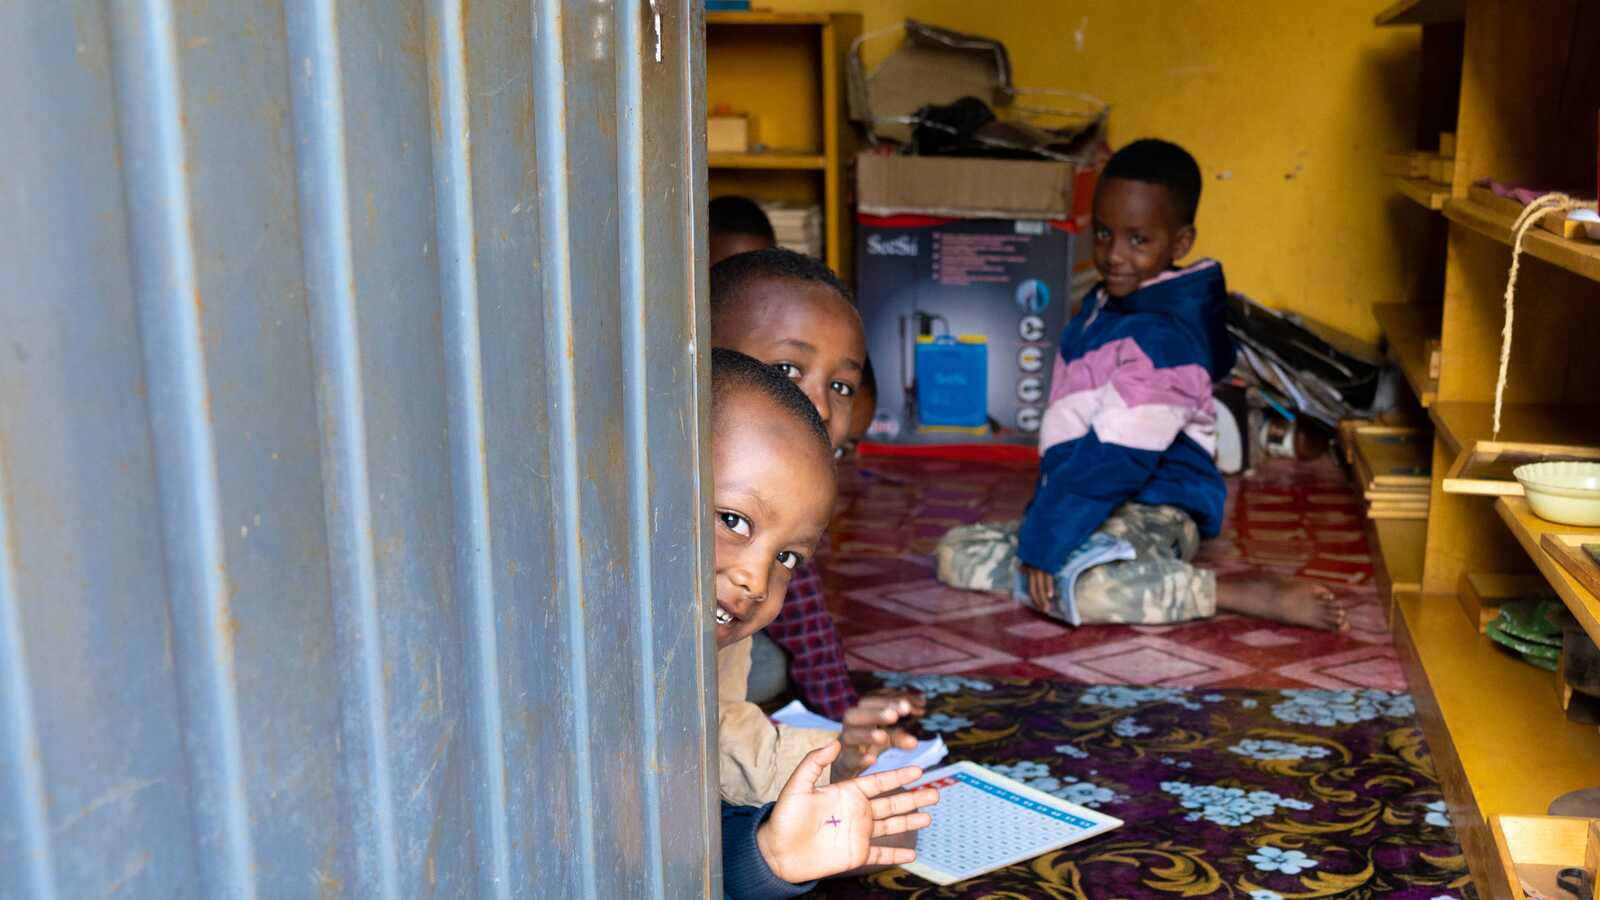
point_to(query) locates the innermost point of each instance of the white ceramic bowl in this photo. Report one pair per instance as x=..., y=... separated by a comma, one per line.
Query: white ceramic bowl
x=1564, y=492
x=1590, y=220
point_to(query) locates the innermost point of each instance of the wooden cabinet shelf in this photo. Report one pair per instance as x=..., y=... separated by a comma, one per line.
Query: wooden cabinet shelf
x=1530, y=530
x=1499, y=739
x=1409, y=327
x=771, y=160
x=1460, y=424
x=1399, y=544
x=1579, y=257
x=1422, y=12
x=1427, y=194
x=765, y=18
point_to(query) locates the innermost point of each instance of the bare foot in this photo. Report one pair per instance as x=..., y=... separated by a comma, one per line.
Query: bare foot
x=1287, y=600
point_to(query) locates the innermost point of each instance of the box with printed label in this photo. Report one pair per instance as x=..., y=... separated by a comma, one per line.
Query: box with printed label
x=999, y=286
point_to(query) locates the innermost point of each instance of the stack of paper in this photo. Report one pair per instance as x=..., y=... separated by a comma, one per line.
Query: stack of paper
x=797, y=228
x=928, y=753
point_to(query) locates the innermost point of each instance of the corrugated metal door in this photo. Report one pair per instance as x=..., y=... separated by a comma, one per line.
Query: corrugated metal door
x=350, y=535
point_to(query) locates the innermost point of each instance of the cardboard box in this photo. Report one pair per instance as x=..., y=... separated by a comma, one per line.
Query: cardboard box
x=1006, y=280
x=728, y=134
x=964, y=187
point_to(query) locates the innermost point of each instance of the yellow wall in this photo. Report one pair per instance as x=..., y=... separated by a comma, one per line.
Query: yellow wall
x=1288, y=107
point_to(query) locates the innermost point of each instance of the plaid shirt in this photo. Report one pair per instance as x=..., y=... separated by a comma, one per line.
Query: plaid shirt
x=804, y=629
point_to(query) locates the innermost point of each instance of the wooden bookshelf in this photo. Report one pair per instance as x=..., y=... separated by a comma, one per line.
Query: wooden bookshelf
x=1499, y=740
x=1427, y=194
x=1499, y=737
x=1409, y=327
x=1422, y=12
x=1459, y=424
x=1529, y=531
x=787, y=71
x=769, y=160
x=1576, y=256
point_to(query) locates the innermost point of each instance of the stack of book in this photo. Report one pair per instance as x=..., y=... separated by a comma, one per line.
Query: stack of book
x=1393, y=465
x=798, y=228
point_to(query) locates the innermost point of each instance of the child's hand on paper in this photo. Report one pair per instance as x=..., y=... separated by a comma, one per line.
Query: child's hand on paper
x=919, y=704
x=869, y=729
x=1041, y=587
x=817, y=832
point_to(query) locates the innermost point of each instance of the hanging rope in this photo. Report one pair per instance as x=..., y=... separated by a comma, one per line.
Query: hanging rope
x=1552, y=202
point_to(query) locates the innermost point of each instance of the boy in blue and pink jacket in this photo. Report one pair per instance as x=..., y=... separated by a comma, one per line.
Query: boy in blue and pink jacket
x=1127, y=485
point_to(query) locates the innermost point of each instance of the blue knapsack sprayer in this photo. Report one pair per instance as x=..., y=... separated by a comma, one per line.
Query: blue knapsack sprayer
x=945, y=376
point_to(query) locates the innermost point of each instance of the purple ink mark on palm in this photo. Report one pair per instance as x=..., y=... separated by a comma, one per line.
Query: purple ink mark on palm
x=834, y=822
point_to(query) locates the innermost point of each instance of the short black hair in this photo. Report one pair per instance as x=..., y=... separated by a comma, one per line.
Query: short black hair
x=1160, y=162
x=732, y=370
x=732, y=214
x=730, y=277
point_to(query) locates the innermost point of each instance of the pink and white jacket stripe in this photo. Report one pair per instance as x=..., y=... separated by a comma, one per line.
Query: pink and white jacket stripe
x=1131, y=416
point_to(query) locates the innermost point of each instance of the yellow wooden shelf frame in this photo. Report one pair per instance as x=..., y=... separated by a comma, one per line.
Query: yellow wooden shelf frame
x=806, y=54
x=1581, y=258
x=775, y=160
x=765, y=18
x=1529, y=530
x=1461, y=424
x=1540, y=841
x=1409, y=327
x=1499, y=740
x=1427, y=194
x=1422, y=12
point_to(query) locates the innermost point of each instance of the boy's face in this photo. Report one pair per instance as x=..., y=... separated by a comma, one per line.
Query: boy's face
x=772, y=493
x=1137, y=234
x=722, y=246
x=811, y=334
x=861, y=411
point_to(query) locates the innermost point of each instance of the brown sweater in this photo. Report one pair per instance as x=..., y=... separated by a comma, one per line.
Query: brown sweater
x=756, y=756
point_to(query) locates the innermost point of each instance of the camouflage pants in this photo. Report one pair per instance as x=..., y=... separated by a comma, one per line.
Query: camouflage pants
x=1157, y=586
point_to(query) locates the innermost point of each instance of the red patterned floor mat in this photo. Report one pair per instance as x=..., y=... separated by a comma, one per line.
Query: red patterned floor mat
x=1295, y=518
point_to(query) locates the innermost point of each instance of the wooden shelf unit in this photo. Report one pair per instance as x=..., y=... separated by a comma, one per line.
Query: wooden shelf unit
x=1579, y=257
x=1459, y=424
x=1500, y=740
x=1530, y=530
x=769, y=160
x=1408, y=327
x=1422, y=12
x=1427, y=194
x=787, y=70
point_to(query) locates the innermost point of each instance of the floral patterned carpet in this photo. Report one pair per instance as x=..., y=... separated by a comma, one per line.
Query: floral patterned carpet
x=1266, y=795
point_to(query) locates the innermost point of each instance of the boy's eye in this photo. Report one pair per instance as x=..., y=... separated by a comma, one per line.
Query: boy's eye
x=1102, y=234
x=1138, y=240
x=735, y=523
x=789, y=559
x=844, y=390
x=788, y=370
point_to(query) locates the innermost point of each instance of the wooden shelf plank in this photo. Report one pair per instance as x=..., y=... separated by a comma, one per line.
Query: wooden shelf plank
x=1579, y=257
x=1530, y=530
x=765, y=18
x=1428, y=194
x=1460, y=424
x=1400, y=544
x=1422, y=12
x=772, y=160
x=1409, y=327
x=1499, y=740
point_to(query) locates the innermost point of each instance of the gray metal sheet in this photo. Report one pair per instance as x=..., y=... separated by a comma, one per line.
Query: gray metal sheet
x=351, y=451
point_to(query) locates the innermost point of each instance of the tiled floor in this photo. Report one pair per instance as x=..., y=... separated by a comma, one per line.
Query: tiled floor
x=1296, y=519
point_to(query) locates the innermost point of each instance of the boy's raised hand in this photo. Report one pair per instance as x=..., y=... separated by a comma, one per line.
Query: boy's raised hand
x=869, y=729
x=817, y=832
